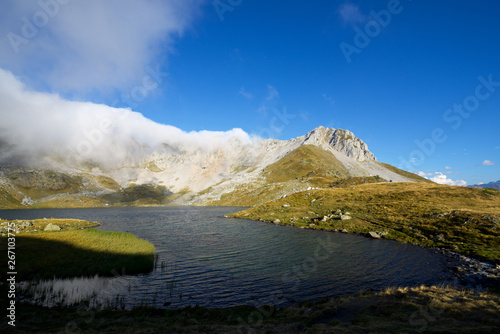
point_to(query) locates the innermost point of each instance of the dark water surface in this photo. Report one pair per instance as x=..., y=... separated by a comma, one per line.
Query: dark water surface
x=212, y=261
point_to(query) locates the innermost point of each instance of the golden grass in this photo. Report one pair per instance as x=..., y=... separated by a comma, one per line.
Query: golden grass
x=463, y=219
x=307, y=163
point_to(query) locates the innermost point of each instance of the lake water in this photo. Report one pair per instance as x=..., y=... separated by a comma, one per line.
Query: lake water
x=208, y=260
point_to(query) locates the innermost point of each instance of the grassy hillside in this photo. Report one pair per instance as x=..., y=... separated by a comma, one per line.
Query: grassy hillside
x=466, y=220
x=411, y=176
x=307, y=163
x=41, y=183
x=9, y=197
x=306, y=166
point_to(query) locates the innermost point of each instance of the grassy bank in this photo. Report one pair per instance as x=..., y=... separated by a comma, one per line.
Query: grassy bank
x=396, y=310
x=465, y=220
x=74, y=251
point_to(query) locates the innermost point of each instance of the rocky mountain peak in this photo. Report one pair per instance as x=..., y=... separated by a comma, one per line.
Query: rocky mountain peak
x=340, y=140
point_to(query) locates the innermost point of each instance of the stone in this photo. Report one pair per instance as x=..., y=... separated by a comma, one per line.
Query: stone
x=439, y=237
x=374, y=235
x=52, y=227
x=286, y=205
x=344, y=231
x=345, y=217
x=383, y=233
x=277, y=221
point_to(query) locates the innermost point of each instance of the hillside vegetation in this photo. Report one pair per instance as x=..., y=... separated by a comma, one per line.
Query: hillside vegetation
x=466, y=220
x=307, y=163
x=308, y=166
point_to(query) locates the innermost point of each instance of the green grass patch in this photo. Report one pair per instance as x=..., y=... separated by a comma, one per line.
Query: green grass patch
x=307, y=163
x=74, y=253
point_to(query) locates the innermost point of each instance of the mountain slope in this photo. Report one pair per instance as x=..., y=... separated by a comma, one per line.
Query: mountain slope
x=306, y=161
x=182, y=173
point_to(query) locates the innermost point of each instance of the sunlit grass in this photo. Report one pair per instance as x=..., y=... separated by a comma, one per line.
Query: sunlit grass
x=466, y=220
x=73, y=253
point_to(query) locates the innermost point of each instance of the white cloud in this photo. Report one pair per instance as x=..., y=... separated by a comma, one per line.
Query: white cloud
x=448, y=168
x=441, y=178
x=90, y=45
x=36, y=125
x=245, y=94
x=488, y=163
x=328, y=99
x=351, y=14
x=272, y=93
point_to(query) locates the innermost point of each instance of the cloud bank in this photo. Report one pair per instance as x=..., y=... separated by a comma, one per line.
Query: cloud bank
x=34, y=125
x=90, y=45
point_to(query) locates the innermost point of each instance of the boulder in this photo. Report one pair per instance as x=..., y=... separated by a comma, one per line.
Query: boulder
x=52, y=227
x=277, y=221
x=374, y=235
x=439, y=237
x=345, y=217
x=286, y=205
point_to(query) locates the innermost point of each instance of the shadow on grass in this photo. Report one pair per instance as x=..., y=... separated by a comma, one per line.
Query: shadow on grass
x=38, y=258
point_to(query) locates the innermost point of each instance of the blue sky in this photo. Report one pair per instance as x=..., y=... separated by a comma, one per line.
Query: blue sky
x=418, y=81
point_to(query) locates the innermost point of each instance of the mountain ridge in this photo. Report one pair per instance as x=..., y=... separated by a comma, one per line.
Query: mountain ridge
x=184, y=174
x=493, y=185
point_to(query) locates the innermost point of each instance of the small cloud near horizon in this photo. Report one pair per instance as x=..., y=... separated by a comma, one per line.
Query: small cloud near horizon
x=441, y=178
x=488, y=163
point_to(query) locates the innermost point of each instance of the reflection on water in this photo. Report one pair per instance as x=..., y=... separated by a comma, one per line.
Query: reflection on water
x=207, y=260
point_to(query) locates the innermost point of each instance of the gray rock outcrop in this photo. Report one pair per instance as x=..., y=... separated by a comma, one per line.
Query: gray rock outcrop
x=52, y=227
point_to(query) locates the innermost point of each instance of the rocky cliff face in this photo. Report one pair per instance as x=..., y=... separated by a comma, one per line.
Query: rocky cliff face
x=342, y=141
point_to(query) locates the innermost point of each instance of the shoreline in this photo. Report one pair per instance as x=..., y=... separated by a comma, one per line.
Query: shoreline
x=468, y=269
